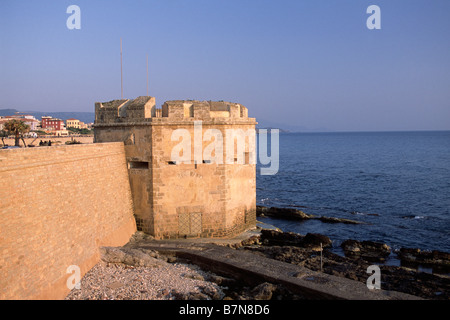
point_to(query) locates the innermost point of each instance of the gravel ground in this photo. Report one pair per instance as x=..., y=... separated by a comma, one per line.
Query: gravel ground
x=163, y=281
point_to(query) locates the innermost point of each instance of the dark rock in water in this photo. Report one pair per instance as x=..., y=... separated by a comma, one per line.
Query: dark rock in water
x=284, y=213
x=315, y=240
x=367, y=250
x=338, y=220
x=352, y=248
x=441, y=257
x=294, y=214
x=433, y=258
x=279, y=238
x=408, y=254
x=376, y=246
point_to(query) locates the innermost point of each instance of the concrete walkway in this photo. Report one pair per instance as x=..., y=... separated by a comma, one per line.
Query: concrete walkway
x=253, y=269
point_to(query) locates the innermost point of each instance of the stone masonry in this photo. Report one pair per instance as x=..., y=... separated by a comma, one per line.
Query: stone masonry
x=58, y=205
x=196, y=197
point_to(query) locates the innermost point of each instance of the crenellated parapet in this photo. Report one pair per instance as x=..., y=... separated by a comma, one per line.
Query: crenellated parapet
x=143, y=109
x=127, y=110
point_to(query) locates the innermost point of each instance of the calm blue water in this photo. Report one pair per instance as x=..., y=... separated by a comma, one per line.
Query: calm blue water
x=397, y=182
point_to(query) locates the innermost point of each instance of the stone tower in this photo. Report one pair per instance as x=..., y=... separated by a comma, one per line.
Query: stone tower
x=206, y=190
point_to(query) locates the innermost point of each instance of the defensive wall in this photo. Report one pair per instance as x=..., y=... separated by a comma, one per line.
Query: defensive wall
x=58, y=205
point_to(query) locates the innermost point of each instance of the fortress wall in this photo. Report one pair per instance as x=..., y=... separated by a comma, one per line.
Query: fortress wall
x=240, y=183
x=188, y=199
x=219, y=198
x=58, y=205
x=138, y=142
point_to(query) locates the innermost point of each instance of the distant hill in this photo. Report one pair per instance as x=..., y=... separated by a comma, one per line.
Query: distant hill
x=285, y=127
x=268, y=124
x=269, y=129
x=86, y=117
x=7, y=112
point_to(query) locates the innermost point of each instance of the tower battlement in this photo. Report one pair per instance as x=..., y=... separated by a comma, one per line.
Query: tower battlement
x=143, y=109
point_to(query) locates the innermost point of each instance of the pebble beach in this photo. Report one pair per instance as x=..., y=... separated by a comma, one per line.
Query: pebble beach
x=163, y=281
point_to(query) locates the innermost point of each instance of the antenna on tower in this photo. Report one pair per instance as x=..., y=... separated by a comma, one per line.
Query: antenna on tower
x=147, y=75
x=121, y=72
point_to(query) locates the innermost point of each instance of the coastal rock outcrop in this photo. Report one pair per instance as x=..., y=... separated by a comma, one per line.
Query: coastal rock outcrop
x=367, y=250
x=311, y=240
x=295, y=214
x=316, y=241
x=283, y=213
x=435, y=258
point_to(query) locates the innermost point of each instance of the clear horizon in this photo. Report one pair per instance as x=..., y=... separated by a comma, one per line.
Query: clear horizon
x=312, y=66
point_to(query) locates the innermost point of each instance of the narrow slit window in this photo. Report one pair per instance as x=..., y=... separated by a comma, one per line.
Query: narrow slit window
x=138, y=165
x=172, y=163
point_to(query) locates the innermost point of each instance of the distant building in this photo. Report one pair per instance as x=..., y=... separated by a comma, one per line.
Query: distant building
x=73, y=123
x=77, y=124
x=52, y=124
x=83, y=125
x=28, y=119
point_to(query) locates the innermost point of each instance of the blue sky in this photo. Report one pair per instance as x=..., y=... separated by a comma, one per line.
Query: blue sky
x=310, y=65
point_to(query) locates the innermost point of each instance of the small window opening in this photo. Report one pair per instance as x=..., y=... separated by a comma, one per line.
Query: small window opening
x=138, y=165
x=172, y=163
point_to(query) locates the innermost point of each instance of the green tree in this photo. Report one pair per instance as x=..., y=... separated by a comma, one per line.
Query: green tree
x=3, y=134
x=17, y=128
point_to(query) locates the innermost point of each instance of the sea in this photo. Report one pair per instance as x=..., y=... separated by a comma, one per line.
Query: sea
x=397, y=183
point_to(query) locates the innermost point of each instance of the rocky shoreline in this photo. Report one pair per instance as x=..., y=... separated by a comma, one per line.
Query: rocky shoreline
x=143, y=274
x=314, y=251
x=135, y=273
x=373, y=251
x=306, y=251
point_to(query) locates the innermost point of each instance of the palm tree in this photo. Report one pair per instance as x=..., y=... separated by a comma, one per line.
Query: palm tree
x=17, y=128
